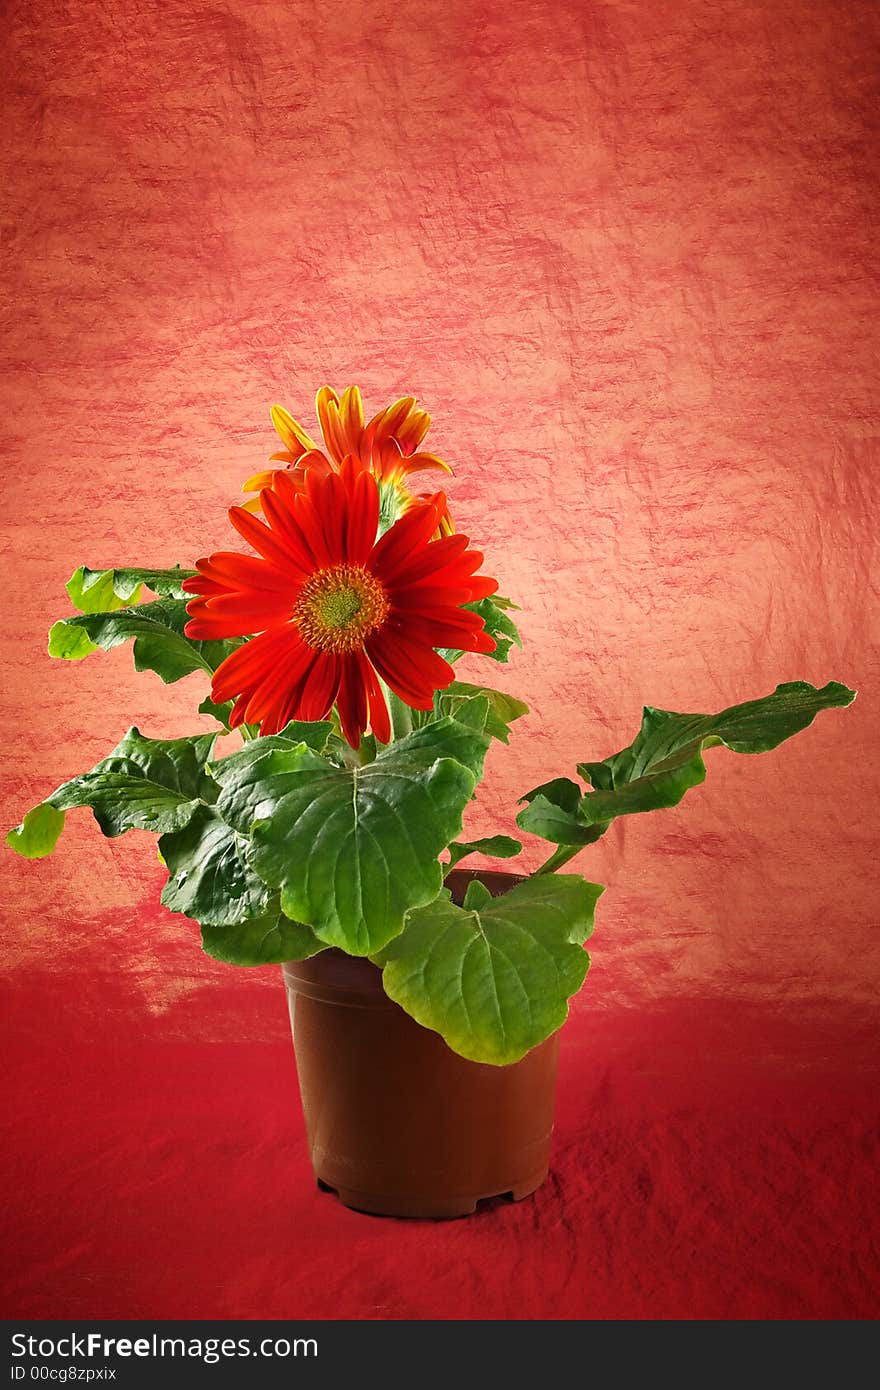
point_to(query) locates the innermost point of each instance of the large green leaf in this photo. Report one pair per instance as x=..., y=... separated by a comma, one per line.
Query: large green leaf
x=665, y=760
x=157, y=632
x=494, y=978
x=144, y=784
x=104, y=591
x=210, y=877
x=268, y=940
x=351, y=849
x=503, y=709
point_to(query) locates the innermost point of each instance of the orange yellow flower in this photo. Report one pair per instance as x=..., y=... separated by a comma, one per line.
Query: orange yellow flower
x=387, y=447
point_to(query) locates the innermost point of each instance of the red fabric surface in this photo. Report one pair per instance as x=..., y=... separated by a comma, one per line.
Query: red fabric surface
x=625, y=255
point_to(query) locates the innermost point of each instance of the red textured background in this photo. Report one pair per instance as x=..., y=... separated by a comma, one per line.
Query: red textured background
x=625, y=254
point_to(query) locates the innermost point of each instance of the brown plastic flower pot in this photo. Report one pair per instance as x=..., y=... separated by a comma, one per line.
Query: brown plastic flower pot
x=398, y=1124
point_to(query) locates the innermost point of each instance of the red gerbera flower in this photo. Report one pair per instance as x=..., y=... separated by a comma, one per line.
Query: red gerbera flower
x=335, y=608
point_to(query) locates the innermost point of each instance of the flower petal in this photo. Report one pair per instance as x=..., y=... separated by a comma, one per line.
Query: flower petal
x=413, y=670
x=201, y=585
x=265, y=610
x=409, y=532
x=244, y=668
x=417, y=598
x=272, y=547
x=290, y=432
x=329, y=498
x=442, y=632
x=284, y=519
x=351, y=702
x=433, y=557
x=203, y=627
x=412, y=431
x=380, y=720
x=234, y=571
x=313, y=461
x=414, y=463
x=482, y=587
x=388, y=421
x=327, y=411
x=270, y=694
x=310, y=521
x=351, y=412
x=320, y=686
x=363, y=519
x=257, y=481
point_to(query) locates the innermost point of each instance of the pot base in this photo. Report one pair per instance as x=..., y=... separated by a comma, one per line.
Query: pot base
x=428, y=1208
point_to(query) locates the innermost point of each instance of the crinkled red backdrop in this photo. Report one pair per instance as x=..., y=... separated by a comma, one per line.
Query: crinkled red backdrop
x=624, y=253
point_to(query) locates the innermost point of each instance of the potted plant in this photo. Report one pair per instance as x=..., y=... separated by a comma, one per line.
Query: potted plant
x=425, y=999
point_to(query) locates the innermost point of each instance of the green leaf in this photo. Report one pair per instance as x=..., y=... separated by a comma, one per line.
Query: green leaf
x=103, y=591
x=144, y=784
x=476, y=895
x=494, y=979
x=494, y=846
x=665, y=760
x=157, y=631
x=268, y=940
x=552, y=813
x=339, y=751
x=38, y=833
x=447, y=738
x=210, y=877
x=246, y=763
x=314, y=733
x=70, y=643
x=494, y=612
x=353, y=848
x=503, y=709
x=472, y=711
x=93, y=591
x=219, y=712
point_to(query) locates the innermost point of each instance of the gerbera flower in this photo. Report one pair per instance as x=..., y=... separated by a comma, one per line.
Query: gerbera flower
x=388, y=446
x=334, y=608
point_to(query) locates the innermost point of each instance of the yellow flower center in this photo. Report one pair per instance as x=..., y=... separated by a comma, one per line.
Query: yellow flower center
x=338, y=607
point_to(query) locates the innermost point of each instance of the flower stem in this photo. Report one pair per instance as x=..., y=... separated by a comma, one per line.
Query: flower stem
x=401, y=716
x=560, y=856
x=365, y=754
x=563, y=853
